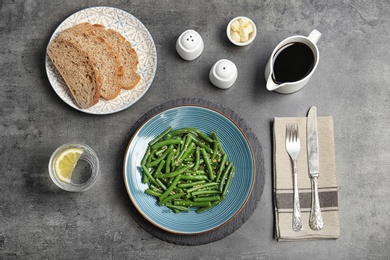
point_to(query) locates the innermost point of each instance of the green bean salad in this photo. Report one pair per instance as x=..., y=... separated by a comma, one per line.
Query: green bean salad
x=186, y=168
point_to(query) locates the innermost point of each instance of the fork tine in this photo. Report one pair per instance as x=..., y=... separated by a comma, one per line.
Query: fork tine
x=295, y=133
x=288, y=133
x=292, y=139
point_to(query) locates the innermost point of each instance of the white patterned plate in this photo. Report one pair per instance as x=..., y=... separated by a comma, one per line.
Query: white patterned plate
x=135, y=32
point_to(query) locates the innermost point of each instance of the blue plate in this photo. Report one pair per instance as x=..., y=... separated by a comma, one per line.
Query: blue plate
x=235, y=145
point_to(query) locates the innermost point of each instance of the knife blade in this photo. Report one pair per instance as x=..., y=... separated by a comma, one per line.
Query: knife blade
x=312, y=142
x=315, y=221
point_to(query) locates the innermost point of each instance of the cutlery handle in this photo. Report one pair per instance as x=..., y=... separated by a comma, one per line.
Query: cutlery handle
x=297, y=222
x=315, y=221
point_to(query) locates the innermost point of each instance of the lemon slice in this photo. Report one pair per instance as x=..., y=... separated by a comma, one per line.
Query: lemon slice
x=66, y=163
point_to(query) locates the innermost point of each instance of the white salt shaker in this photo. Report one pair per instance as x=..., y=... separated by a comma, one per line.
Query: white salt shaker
x=189, y=45
x=223, y=74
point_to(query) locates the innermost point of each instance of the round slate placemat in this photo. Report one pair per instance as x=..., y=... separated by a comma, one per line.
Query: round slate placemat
x=250, y=206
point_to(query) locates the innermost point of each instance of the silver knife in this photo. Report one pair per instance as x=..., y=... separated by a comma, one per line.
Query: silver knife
x=315, y=221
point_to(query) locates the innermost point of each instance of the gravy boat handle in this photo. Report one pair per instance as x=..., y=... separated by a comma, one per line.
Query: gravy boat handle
x=314, y=36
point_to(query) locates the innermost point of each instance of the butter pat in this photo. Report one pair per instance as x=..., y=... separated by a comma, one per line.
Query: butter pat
x=244, y=33
x=244, y=22
x=236, y=36
x=235, y=26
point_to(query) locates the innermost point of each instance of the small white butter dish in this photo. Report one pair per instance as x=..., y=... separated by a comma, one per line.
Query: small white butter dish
x=241, y=31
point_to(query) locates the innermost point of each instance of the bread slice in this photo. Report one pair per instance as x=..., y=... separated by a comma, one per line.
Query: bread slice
x=128, y=57
x=77, y=70
x=105, y=58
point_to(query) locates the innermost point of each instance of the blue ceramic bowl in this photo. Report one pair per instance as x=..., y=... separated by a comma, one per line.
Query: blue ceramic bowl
x=235, y=145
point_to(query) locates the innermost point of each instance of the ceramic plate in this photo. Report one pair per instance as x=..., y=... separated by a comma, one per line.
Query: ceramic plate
x=135, y=32
x=235, y=145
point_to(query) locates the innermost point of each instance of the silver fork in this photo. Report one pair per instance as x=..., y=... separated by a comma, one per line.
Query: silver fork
x=293, y=146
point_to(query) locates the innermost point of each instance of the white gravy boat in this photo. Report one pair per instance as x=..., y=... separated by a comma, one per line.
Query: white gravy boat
x=290, y=87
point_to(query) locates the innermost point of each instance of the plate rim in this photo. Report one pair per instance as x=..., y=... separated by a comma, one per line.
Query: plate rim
x=72, y=103
x=253, y=160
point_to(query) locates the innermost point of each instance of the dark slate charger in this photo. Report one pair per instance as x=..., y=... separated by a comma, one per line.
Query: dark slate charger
x=237, y=221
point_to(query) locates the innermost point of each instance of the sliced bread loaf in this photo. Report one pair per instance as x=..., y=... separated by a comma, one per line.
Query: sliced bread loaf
x=127, y=55
x=105, y=58
x=77, y=70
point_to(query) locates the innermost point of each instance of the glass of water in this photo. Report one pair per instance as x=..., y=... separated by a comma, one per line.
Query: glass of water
x=74, y=167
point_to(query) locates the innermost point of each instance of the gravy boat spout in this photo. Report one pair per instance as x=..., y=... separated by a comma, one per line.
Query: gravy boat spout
x=286, y=87
x=271, y=85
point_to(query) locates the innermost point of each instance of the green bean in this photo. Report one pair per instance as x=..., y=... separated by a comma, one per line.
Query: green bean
x=145, y=178
x=208, y=188
x=159, y=152
x=193, y=131
x=177, y=190
x=155, y=188
x=162, y=157
x=185, y=154
x=198, y=172
x=215, y=151
x=192, y=203
x=161, y=184
x=202, y=186
x=172, y=174
x=205, y=192
x=213, y=198
x=199, y=143
x=214, y=135
x=191, y=184
x=197, y=158
x=146, y=156
x=181, y=208
x=222, y=166
x=144, y=161
x=225, y=189
x=208, y=165
x=204, y=136
x=222, y=183
x=180, y=132
x=193, y=177
x=166, y=142
x=160, y=166
x=171, y=197
x=170, y=188
x=183, y=149
x=152, y=192
x=181, y=145
x=214, y=203
x=169, y=160
x=160, y=136
x=150, y=177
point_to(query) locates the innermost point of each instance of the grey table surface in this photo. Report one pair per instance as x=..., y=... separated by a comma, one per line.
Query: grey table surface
x=39, y=221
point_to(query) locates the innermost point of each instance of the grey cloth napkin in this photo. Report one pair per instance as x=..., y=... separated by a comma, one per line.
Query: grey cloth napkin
x=283, y=182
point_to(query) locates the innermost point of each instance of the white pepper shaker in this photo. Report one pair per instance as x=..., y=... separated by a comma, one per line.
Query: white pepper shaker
x=223, y=74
